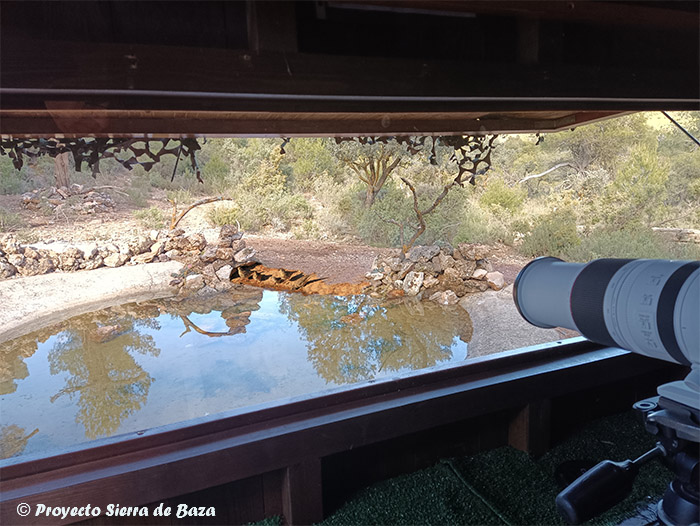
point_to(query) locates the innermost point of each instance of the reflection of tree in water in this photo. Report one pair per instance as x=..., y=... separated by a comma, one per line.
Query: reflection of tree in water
x=96, y=351
x=235, y=308
x=13, y=440
x=12, y=356
x=353, y=339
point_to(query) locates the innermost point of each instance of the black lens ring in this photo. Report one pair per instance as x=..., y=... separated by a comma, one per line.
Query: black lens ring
x=665, y=310
x=587, y=294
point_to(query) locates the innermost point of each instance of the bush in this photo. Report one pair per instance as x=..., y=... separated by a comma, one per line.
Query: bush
x=224, y=215
x=478, y=225
x=499, y=195
x=9, y=220
x=637, y=243
x=552, y=235
x=152, y=217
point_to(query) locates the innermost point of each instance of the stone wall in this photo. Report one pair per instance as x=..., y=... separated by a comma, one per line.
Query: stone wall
x=202, y=258
x=441, y=274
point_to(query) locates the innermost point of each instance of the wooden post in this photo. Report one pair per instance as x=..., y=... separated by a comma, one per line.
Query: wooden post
x=529, y=430
x=302, y=496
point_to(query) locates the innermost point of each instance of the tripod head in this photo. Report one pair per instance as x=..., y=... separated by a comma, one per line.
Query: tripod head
x=677, y=429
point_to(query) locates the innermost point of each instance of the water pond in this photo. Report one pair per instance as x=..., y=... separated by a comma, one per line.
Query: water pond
x=138, y=366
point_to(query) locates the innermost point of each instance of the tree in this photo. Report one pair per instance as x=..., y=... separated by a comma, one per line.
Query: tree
x=61, y=169
x=372, y=161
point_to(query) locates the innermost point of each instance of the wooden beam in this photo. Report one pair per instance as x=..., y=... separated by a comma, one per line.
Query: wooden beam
x=529, y=430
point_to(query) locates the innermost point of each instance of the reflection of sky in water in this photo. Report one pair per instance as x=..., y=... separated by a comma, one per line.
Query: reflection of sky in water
x=292, y=345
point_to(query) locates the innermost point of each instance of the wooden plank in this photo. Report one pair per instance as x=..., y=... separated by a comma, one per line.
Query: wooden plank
x=302, y=495
x=128, y=123
x=529, y=430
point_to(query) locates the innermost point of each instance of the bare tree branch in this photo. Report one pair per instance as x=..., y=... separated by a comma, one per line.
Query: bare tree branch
x=556, y=167
x=176, y=219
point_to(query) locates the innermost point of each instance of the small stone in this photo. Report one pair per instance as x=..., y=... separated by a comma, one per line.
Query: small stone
x=430, y=281
x=170, y=254
x=209, y=254
x=31, y=253
x=197, y=241
x=227, y=254
x=143, y=258
x=377, y=276
x=470, y=286
x=406, y=267
x=245, y=255
x=16, y=260
x=495, y=280
x=412, y=283
x=425, y=253
x=480, y=273
x=116, y=260
x=7, y=270
x=445, y=297
x=140, y=245
x=465, y=268
x=485, y=264
x=398, y=284
x=193, y=282
x=92, y=264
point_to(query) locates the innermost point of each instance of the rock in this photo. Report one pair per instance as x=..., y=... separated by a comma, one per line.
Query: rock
x=147, y=257
x=395, y=293
x=445, y=261
x=485, y=264
x=228, y=254
x=92, y=264
x=140, y=245
x=16, y=260
x=473, y=285
x=398, y=284
x=228, y=235
x=31, y=253
x=224, y=286
x=7, y=270
x=171, y=254
x=406, y=267
x=116, y=260
x=197, y=241
x=208, y=254
x=470, y=251
x=430, y=282
x=125, y=249
x=193, y=282
x=445, y=297
x=105, y=333
x=224, y=273
x=237, y=245
x=245, y=255
x=465, y=268
x=153, y=234
x=205, y=291
x=374, y=276
x=480, y=273
x=495, y=280
x=424, y=253
x=412, y=283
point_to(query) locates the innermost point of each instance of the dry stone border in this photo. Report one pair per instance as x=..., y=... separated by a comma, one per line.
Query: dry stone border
x=440, y=274
x=206, y=264
x=76, y=198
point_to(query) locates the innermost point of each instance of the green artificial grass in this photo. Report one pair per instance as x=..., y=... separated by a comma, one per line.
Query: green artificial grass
x=505, y=486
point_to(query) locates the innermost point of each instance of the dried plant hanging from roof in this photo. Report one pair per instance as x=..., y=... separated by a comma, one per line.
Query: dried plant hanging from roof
x=471, y=153
x=91, y=151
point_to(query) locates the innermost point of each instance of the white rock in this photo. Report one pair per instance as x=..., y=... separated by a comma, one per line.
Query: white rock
x=480, y=273
x=224, y=273
x=194, y=282
x=412, y=283
x=495, y=280
x=374, y=276
x=116, y=260
x=446, y=297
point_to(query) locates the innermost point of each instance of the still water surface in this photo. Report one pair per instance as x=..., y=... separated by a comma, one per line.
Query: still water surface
x=139, y=366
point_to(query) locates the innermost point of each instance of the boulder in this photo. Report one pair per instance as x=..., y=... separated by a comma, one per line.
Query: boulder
x=208, y=254
x=193, y=282
x=473, y=285
x=228, y=254
x=196, y=241
x=465, y=268
x=7, y=270
x=93, y=263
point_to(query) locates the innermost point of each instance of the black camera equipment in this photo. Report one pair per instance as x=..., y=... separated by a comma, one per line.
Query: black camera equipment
x=650, y=307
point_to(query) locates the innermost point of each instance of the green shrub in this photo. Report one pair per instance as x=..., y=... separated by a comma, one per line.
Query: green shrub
x=499, y=195
x=10, y=179
x=630, y=243
x=9, y=220
x=224, y=215
x=152, y=217
x=552, y=235
x=478, y=225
